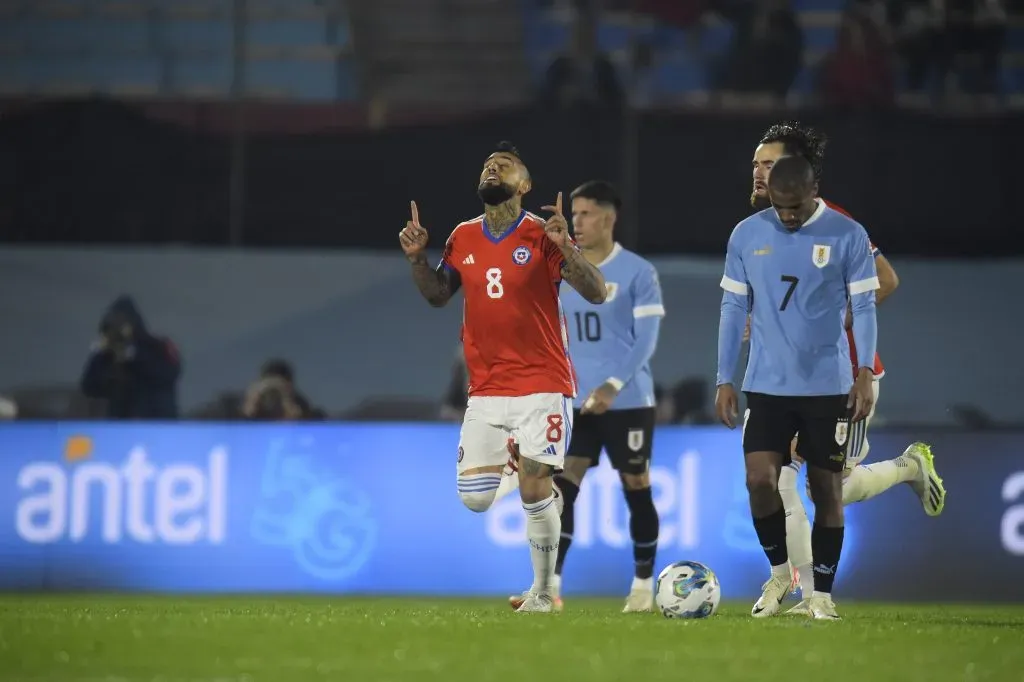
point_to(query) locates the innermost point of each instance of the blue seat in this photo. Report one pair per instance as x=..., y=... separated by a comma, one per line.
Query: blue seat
x=679, y=76
x=716, y=38
x=342, y=33
x=546, y=36
x=96, y=72
x=348, y=81
x=821, y=38
x=290, y=33
x=194, y=73
x=190, y=34
x=806, y=81
x=92, y=33
x=312, y=79
x=612, y=37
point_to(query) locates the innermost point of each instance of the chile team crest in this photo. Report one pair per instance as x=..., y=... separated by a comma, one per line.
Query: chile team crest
x=521, y=256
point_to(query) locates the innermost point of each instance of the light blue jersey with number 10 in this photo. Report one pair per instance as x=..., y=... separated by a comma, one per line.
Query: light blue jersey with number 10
x=615, y=340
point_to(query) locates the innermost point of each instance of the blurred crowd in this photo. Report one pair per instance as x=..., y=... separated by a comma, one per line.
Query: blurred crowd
x=933, y=51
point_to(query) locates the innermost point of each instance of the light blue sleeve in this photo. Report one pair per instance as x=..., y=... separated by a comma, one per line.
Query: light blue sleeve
x=648, y=310
x=861, y=282
x=734, y=311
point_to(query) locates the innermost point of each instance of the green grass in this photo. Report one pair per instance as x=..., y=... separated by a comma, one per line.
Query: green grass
x=256, y=639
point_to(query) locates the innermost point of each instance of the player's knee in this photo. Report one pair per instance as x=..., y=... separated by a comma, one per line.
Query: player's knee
x=762, y=480
x=635, y=481
x=478, y=501
x=478, y=490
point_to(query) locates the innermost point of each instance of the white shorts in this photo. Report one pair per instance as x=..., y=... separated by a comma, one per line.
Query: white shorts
x=857, y=450
x=539, y=423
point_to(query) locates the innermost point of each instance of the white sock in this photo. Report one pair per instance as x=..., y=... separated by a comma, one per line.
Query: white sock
x=798, y=528
x=868, y=480
x=826, y=595
x=645, y=584
x=543, y=528
x=556, y=585
x=509, y=482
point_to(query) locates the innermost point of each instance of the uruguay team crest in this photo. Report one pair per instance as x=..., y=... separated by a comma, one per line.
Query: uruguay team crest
x=613, y=289
x=521, y=256
x=842, y=431
x=635, y=439
x=821, y=255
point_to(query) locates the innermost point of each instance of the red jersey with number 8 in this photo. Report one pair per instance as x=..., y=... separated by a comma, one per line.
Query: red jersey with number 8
x=879, y=368
x=513, y=328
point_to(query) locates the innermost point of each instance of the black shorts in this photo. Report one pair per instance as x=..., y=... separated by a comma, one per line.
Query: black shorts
x=626, y=435
x=822, y=422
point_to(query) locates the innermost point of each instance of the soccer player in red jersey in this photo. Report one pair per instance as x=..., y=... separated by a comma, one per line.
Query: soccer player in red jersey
x=509, y=263
x=861, y=481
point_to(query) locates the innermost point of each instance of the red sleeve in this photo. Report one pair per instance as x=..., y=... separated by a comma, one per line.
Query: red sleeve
x=555, y=259
x=448, y=254
x=838, y=208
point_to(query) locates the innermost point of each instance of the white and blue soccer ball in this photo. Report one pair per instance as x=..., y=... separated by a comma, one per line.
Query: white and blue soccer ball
x=687, y=589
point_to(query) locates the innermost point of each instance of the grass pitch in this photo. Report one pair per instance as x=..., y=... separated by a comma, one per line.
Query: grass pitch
x=259, y=639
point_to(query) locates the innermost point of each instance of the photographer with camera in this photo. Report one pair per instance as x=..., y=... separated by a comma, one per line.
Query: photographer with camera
x=135, y=372
x=274, y=397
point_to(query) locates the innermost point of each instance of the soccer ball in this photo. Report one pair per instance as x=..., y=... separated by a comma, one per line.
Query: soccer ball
x=687, y=589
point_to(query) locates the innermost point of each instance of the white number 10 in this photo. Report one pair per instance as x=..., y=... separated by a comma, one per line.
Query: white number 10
x=494, y=287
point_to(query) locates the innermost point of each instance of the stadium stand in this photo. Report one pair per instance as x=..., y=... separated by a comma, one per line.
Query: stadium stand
x=298, y=49
x=680, y=72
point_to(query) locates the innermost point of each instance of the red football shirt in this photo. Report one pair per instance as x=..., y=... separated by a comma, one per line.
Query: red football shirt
x=513, y=329
x=879, y=368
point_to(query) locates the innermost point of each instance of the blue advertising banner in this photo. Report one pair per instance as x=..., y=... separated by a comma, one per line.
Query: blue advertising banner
x=372, y=508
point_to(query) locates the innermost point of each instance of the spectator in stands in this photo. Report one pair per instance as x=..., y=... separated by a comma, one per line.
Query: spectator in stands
x=919, y=39
x=135, y=372
x=977, y=28
x=274, y=397
x=767, y=50
x=858, y=74
x=583, y=75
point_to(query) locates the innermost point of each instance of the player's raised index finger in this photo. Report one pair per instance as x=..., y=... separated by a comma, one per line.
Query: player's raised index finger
x=415, y=213
x=558, y=204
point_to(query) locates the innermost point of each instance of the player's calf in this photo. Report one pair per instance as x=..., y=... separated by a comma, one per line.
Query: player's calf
x=644, y=527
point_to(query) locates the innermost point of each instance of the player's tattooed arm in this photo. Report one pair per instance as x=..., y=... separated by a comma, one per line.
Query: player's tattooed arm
x=437, y=285
x=583, y=276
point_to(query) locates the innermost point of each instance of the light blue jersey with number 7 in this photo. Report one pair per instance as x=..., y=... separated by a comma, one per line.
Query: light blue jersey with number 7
x=796, y=285
x=615, y=340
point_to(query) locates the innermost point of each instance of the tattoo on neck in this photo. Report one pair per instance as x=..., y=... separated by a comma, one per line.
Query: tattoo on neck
x=501, y=217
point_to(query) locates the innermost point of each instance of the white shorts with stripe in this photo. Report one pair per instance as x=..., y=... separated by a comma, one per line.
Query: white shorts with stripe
x=539, y=423
x=857, y=450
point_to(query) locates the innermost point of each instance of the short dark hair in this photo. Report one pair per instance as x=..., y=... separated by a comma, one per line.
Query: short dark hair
x=277, y=367
x=600, y=191
x=792, y=174
x=799, y=140
x=506, y=147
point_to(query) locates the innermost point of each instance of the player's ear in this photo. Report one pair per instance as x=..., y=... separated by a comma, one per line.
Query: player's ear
x=525, y=185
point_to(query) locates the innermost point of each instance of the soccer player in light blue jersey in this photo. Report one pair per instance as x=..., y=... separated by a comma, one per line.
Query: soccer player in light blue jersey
x=915, y=467
x=796, y=268
x=611, y=346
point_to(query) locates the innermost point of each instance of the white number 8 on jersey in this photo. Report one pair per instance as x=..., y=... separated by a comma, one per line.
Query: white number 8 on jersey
x=494, y=286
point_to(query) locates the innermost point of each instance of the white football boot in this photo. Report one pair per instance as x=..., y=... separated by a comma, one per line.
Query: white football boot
x=816, y=608
x=773, y=593
x=641, y=597
x=537, y=603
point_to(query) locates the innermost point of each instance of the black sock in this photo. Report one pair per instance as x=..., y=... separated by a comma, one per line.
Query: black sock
x=826, y=547
x=771, y=533
x=569, y=492
x=643, y=529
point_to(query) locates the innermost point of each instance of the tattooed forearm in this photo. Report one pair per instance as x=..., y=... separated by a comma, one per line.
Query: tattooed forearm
x=437, y=286
x=584, y=277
